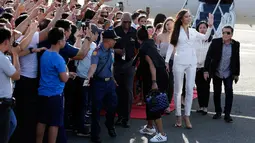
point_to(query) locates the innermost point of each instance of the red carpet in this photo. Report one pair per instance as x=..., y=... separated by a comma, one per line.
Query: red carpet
x=138, y=112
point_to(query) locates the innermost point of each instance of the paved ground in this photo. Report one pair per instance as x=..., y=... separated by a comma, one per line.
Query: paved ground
x=205, y=129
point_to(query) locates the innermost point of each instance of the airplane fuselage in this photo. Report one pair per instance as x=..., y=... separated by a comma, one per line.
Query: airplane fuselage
x=244, y=9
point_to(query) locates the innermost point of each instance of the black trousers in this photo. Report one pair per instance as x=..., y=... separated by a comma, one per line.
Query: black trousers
x=82, y=101
x=26, y=94
x=103, y=95
x=228, y=85
x=4, y=123
x=203, y=88
x=125, y=79
x=69, y=93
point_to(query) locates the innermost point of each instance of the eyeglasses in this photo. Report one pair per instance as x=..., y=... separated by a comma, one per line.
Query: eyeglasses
x=228, y=33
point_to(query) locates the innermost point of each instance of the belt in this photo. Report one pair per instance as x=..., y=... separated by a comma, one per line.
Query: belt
x=198, y=69
x=102, y=79
x=7, y=101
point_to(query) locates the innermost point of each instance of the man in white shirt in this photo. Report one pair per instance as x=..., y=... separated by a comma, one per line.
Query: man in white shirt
x=83, y=98
x=8, y=72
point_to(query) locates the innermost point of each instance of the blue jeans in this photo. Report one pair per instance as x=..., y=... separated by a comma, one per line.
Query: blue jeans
x=13, y=123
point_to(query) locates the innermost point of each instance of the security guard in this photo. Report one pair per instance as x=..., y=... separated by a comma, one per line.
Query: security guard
x=103, y=85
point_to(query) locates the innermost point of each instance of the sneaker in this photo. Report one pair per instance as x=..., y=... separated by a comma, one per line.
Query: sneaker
x=83, y=134
x=147, y=131
x=158, y=138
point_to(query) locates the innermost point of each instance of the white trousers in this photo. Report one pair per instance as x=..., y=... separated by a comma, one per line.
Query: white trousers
x=178, y=72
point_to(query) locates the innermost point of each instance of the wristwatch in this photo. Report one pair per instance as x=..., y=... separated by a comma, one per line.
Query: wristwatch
x=30, y=50
x=154, y=81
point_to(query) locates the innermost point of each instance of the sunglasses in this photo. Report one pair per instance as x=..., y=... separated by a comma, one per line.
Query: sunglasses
x=105, y=16
x=228, y=33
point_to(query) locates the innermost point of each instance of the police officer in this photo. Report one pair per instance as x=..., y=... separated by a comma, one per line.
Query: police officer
x=103, y=85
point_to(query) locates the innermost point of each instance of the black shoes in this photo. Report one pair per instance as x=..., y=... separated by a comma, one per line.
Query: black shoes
x=112, y=132
x=122, y=123
x=228, y=119
x=217, y=116
x=96, y=140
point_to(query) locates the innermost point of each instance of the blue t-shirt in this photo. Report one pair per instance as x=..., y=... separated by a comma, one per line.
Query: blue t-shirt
x=68, y=51
x=52, y=64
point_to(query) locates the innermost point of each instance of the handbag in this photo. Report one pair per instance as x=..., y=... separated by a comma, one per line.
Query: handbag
x=157, y=101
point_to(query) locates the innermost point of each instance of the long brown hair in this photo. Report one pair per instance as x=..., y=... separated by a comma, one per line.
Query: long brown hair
x=177, y=27
x=164, y=25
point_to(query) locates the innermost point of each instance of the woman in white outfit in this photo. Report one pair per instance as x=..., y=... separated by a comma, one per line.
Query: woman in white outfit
x=185, y=61
x=203, y=86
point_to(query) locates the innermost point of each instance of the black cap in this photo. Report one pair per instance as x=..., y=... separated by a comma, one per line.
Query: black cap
x=110, y=34
x=95, y=29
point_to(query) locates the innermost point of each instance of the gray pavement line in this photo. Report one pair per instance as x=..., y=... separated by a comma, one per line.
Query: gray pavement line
x=236, y=116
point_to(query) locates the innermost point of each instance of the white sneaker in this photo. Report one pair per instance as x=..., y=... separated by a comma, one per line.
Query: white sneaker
x=158, y=138
x=147, y=131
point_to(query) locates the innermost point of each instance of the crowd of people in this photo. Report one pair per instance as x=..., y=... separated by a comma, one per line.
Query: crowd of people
x=62, y=63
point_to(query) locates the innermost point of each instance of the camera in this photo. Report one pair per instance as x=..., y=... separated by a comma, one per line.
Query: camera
x=85, y=25
x=15, y=44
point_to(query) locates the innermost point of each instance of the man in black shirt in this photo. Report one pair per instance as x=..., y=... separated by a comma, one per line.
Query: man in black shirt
x=123, y=70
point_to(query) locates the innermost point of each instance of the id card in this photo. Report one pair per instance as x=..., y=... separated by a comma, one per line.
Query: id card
x=86, y=82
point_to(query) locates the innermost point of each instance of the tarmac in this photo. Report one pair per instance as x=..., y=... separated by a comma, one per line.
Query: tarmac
x=205, y=129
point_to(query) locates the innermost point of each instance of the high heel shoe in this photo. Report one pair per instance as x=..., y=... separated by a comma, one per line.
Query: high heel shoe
x=187, y=123
x=178, y=123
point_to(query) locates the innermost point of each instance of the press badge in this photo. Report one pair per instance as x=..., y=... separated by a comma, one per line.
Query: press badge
x=86, y=82
x=124, y=55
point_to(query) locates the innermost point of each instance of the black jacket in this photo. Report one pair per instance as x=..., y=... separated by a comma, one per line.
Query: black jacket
x=214, y=55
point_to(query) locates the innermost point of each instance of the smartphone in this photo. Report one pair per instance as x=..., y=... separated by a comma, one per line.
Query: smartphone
x=78, y=24
x=85, y=25
x=89, y=14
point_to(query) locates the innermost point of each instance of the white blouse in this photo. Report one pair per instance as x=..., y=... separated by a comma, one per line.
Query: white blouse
x=185, y=50
x=201, y=52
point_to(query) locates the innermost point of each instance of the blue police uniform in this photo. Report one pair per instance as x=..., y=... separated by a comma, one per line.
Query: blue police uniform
x=103, y=89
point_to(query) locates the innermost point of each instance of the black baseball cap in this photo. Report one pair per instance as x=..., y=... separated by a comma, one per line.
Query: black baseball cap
x=95, y=29
x=110, y=34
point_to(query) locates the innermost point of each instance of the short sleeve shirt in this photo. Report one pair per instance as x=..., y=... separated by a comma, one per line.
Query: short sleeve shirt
x=52, y=64
x=29, y=63
x=68, y=51
x=128, y=43
x=104, y=59
x=6, y=71
x=84, y=64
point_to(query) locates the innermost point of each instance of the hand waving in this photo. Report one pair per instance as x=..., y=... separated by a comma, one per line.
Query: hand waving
x=210, y=19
